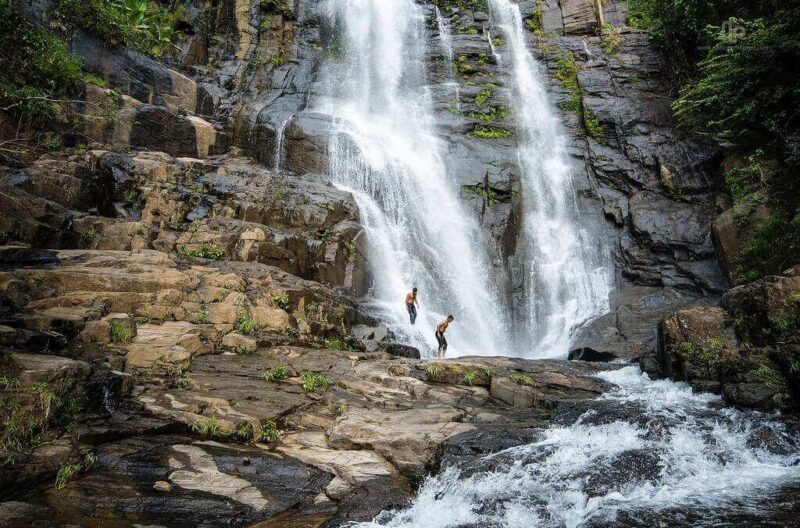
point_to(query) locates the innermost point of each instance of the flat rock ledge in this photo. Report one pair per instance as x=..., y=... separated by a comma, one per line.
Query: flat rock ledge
x=237, y=435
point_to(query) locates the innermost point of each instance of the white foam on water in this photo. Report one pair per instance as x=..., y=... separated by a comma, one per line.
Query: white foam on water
x=387, y=152
x=679, y=450
x=568, y=270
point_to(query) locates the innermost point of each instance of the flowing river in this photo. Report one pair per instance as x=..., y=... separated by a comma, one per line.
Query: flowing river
x=646, y=454
x=650, y=454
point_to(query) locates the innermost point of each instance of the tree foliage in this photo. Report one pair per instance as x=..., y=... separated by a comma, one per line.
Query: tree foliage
x=736, y=64
x=36, y=68
x=748, y=85
x=142, y=25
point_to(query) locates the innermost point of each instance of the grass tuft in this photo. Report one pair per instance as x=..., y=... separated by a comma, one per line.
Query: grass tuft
x=314, y=381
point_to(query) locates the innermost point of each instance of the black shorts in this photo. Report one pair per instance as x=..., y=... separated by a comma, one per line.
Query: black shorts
x=440, y=338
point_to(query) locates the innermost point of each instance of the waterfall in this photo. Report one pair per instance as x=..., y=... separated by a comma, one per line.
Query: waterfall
x=385, y=150
x=648, y=454
x=444, y=35
x=568, y=272
x=279, y=141
x=446, y=41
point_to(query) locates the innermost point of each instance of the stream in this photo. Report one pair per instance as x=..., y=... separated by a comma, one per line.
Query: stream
x=645, y=454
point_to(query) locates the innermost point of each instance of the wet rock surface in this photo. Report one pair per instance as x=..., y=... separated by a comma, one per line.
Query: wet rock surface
x=180, y=319
x=744, y=349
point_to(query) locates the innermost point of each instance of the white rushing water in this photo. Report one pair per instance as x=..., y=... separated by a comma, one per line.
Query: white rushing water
x=568, y=271
x=387, y=153
x=419, y=233
x=446, y=42
x=649, y=454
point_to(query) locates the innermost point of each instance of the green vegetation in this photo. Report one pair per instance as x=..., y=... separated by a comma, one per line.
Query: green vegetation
x=245, y=349
x=747, y=178
x=470, y=377
x=567, y=74
x=206, y=250
x=208, y=427
x=769, y=377
x=182, y=381
x=120, y=332
x=336, y=409
x=775, y=245
x=334, y=343
x=279, y=59
x=705, y=359
x=142, y=25
x=521, y=379
x=41, y=79
x=433, y=370
x=312, y=310
x=610, y=38
x=314, y=381
x=534, y=21
x=497, y=42
x=7, y=382
x=277, y=373
x=464, y=66
x=244, y=431
x=571, y=105
x=482, y=97
x=492, y=113
x=292, y=332
x=65, y=473
x=281, y=301
x=244, y=323
x=38, y=74
x=490, y=132
x=716, y=343
x=269, y=433
x=202, y=315
x=736, y=66
x=593, y=126
x=89, y=237
x=453, y=106
x=492, y=196
x=32, y=413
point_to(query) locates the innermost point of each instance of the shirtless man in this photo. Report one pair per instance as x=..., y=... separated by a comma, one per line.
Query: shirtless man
x=440, y=330
x=411, y=305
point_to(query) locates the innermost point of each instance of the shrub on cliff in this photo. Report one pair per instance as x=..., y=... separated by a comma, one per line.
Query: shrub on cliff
x=38, y=78
x=142, y=25
x=736, y=66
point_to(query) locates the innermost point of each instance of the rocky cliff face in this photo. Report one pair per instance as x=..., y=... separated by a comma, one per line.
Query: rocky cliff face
x=185, y=280
x=650, y=187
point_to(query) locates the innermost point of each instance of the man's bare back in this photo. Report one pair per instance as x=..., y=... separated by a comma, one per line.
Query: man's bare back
x=411, y=298
x=441, y=327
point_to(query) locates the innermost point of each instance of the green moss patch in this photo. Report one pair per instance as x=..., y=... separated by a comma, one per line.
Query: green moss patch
x=490, y=132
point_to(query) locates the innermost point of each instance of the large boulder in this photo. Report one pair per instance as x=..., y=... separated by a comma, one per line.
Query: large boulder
x=747, y=350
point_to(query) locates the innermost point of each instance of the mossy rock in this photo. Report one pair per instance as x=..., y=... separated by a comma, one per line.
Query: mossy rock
x=452, y=373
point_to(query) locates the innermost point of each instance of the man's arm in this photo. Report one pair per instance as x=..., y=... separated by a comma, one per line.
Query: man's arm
x=416, y=300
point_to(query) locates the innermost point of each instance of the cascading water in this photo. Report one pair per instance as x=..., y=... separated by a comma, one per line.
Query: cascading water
x=648, y=454
x=386, y=152
x=446, y=41
x=279, y=141
x=568, y=270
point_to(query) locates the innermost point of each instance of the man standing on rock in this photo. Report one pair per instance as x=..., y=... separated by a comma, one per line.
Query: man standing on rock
x=412, y=304
x=440, y=329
